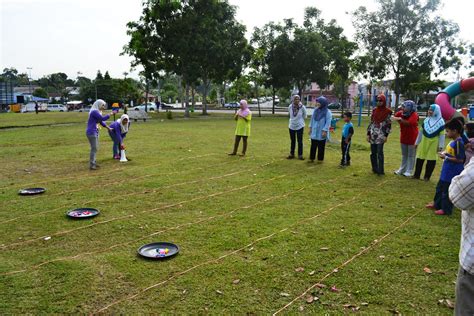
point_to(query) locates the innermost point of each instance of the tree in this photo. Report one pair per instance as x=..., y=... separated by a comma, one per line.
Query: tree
x=40, y=92
x=99, y=76
x=196, y=40
x=404, y=36
x=107, y=76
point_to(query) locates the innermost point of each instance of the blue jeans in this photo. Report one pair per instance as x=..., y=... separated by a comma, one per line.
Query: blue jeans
x=441, y=199
x=115, y=145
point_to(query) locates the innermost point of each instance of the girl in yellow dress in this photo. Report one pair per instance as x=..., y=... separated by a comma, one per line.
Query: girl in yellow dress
x=243, y=118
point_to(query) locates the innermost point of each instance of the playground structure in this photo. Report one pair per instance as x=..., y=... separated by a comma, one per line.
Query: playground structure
x=443, y=99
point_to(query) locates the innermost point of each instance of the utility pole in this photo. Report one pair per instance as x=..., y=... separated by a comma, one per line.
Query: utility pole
x=29, y=80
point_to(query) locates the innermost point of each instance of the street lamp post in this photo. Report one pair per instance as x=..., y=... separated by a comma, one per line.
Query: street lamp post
x=29, y=80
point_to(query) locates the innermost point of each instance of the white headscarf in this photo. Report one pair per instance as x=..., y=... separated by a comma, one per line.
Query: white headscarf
x=124, y=128
x=99, y=103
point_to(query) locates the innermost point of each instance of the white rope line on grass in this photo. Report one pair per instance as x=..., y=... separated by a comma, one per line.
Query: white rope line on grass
x=114, y=182
x=200, y=221
x=105, y=200
x=103, y=173
x=216, y=260
x=61, y=233
x=342, y=265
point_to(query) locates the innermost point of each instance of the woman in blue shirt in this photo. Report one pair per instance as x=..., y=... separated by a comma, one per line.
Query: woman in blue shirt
x=319, y=129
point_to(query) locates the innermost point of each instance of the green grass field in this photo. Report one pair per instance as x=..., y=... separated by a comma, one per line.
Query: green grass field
x=258, y=234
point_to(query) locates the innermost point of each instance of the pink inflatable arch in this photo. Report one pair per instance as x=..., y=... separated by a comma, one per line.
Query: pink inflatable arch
x=443, y=99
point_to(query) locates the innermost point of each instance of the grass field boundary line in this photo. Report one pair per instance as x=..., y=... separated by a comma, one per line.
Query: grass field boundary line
x=114, y=182
x=345, y=263
x=216, y=260
x=104, y=173
x=61, y=233
x=200, y=221
x=102, y=200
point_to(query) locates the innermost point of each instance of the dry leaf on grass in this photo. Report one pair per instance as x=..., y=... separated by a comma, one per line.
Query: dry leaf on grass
x=447, y=303
x=284, y=294
x=219, y=292
x=300, y=269
x=427, y=270
x=312, y=272
x=320, y=285
x=237, y=281
x=324, y=248
x=335, y=289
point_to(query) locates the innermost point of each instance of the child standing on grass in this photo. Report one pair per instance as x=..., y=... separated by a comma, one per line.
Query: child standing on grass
x=242, y=131
x=119, y=132
x=92, y=131
x=429, y=142
x=453, y=165
x=461, y=193
x=347, y=133
x=408, y=120
x=319, y=129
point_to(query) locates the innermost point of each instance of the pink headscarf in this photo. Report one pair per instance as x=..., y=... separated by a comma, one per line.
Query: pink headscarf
x=245, y=111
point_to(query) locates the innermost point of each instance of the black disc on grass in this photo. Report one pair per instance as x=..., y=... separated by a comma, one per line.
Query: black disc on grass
x=83, y=212
x=31, y=191
x=158, y=250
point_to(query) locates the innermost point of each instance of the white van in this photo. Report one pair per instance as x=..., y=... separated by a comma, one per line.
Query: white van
x=56, y=108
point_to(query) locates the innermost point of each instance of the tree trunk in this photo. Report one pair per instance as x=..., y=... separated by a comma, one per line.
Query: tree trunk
x=186, y=111
x=180, y=92
x=397, y=89
x=273, y=103
x=206, y=87
x=193, y=93
x=146, y=95
x=258, y=103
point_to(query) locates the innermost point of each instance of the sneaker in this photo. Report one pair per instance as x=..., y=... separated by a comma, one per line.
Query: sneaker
x=407, y=174
x=397, y=172
x=290, y=157
x=232, y=154
x=440, y=212
x=430, y=205
x=415, y=178
x=300, y=158
x=116, y=157
x=342, y=165
x=93, y=168
x=242, y=155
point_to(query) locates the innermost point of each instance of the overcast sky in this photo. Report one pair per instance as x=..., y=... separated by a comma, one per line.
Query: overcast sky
x=74, y=36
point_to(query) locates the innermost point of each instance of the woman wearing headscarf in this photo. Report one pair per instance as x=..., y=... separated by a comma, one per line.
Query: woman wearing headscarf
x=92, y=131
x=408, y=120
x=242, y=131
x=319, y=129
x=377, y=133
x=297, y=113
x=119, y=132
x=429, y=142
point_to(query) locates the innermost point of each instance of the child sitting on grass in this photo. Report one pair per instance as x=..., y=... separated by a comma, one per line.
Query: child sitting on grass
x=453, y=165
x=347, y=133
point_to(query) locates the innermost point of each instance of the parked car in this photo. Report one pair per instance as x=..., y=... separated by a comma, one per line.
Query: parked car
x=56, y=108
x=334, y=106
x=253, y=101
x=30, y=107
x=150, y=107
x=261, y=100
x=232, y=105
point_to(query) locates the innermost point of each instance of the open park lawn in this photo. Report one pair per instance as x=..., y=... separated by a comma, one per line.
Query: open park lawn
x=257, y=235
